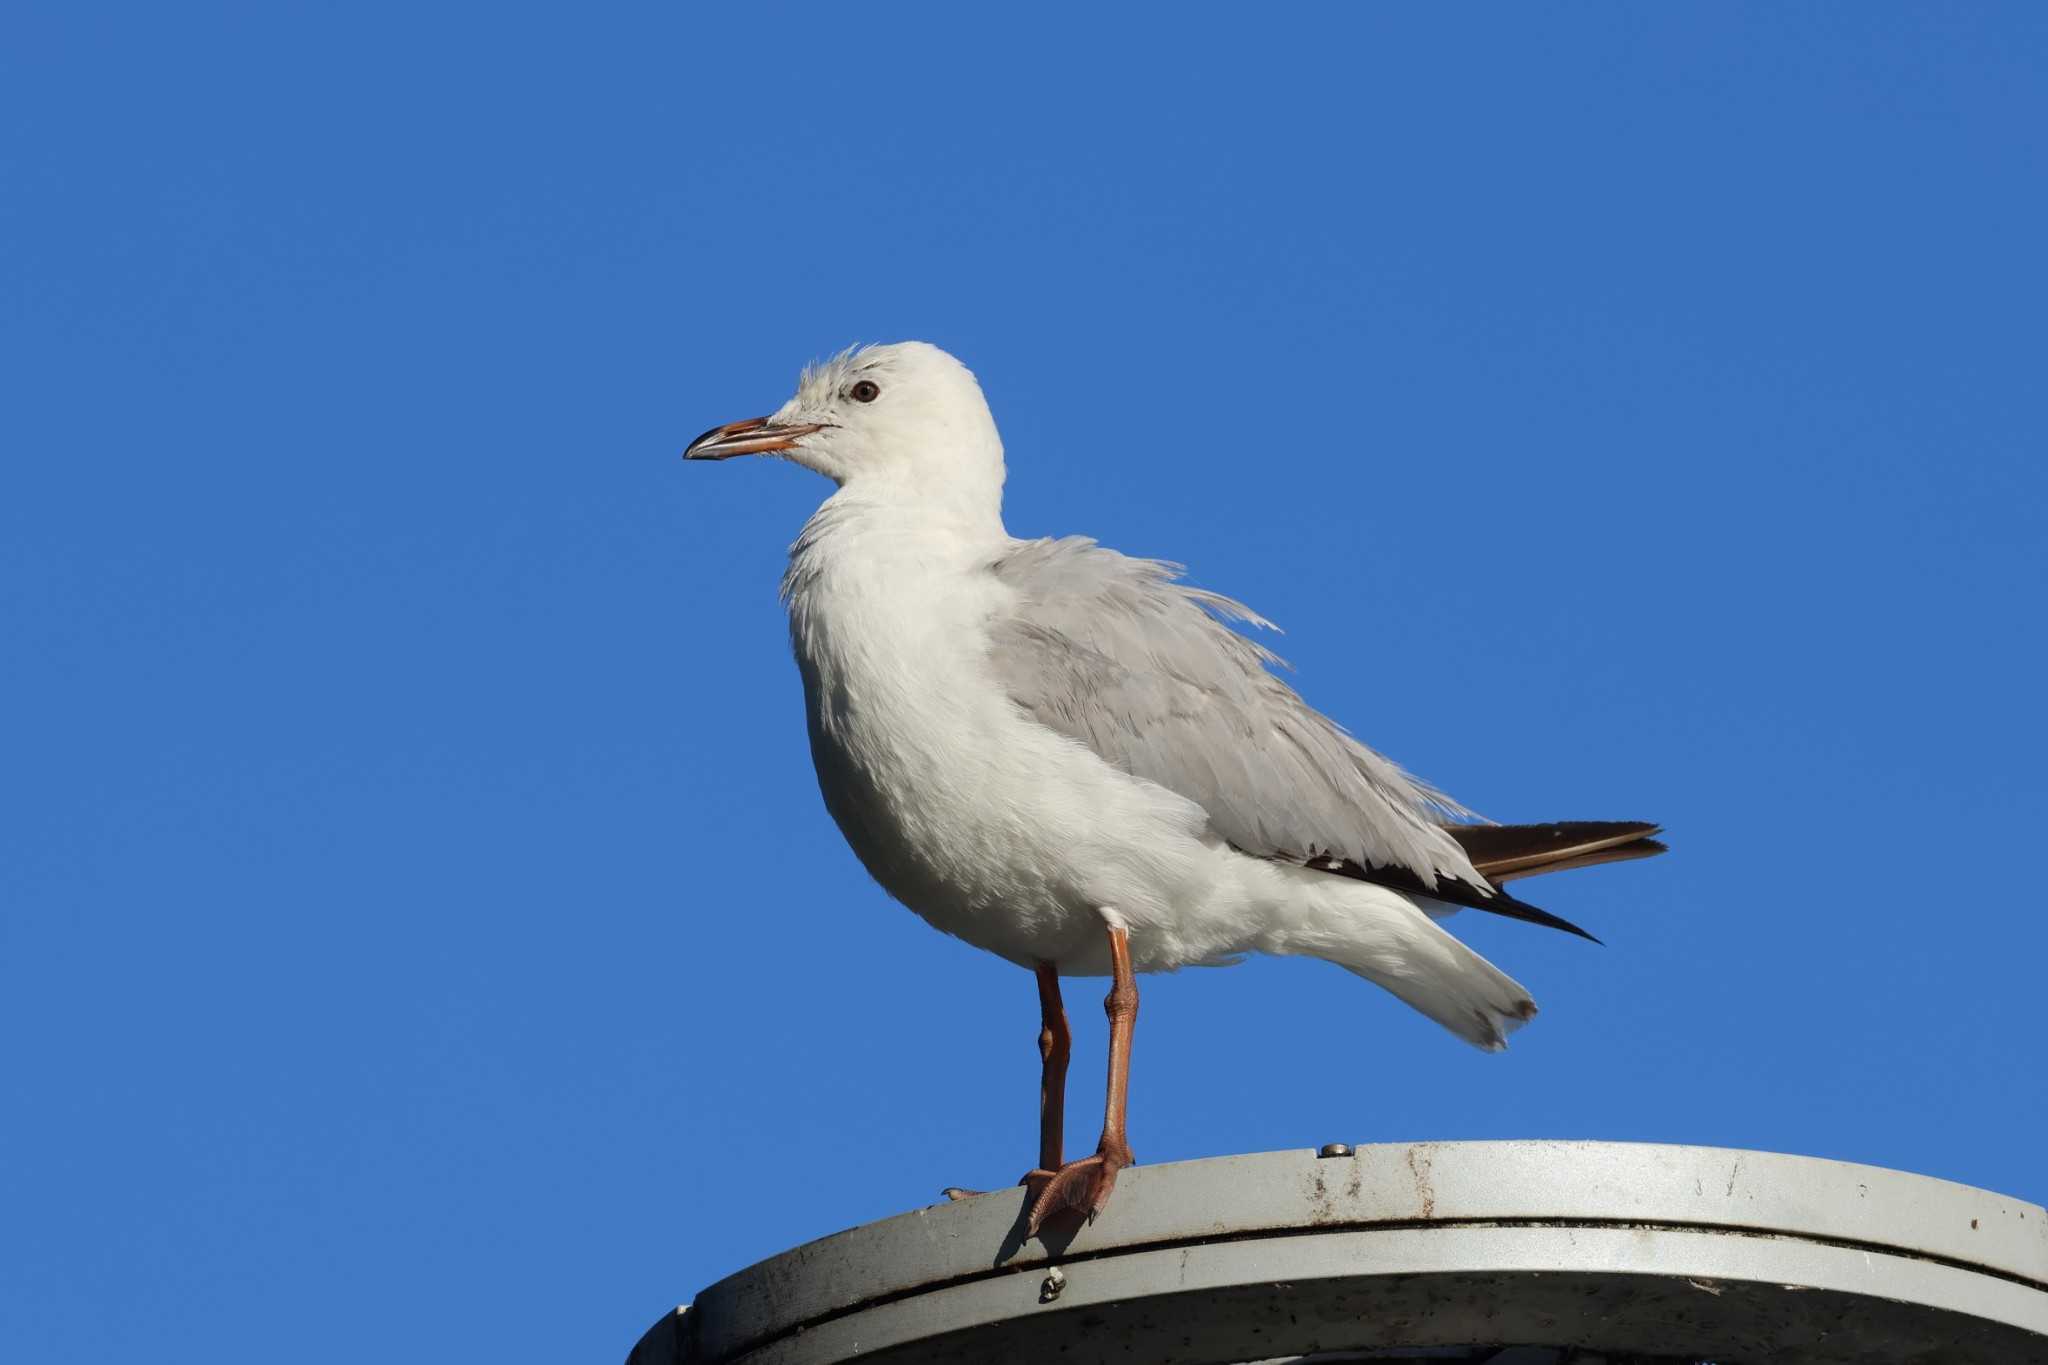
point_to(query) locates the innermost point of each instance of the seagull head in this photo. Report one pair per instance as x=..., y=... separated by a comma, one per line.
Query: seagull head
x=906, y=415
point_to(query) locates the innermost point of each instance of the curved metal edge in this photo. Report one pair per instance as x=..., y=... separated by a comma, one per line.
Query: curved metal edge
x=1176, y=1304
x=1388, y=1185
x=668, y=1342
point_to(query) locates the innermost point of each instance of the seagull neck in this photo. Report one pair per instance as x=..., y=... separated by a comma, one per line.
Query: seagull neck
x=965, y=516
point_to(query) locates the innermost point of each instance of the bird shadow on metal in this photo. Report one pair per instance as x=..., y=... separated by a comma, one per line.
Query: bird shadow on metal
x=1056, y=1234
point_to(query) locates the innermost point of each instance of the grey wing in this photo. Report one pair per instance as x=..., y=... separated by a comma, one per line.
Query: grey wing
x=1114, y=653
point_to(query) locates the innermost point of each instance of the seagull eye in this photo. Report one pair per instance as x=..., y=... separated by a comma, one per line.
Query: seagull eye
x=867, y=391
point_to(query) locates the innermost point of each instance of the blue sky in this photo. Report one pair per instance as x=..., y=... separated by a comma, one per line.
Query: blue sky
x=421, y=934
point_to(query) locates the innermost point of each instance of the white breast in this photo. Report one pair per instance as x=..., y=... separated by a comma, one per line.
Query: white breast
x=985, y=823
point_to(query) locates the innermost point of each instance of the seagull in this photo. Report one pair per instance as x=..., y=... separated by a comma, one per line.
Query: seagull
x=1071, y=759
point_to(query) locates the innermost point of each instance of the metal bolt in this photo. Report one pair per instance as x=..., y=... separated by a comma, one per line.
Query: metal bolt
x=1336, y=1149
x=1055, y=1281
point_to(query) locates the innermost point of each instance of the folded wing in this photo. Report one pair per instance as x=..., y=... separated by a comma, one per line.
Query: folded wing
x=1114, y=653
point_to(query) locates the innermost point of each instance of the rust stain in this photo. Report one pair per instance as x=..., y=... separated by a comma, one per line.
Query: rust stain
x=1418, y=1166
x=1320, y=1209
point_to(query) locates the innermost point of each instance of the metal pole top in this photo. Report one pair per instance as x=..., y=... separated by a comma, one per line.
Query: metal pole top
x=1550, y=1251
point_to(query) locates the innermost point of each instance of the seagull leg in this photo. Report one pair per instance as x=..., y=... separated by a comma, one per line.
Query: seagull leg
x=1054, y=1046
x=1086, y=1184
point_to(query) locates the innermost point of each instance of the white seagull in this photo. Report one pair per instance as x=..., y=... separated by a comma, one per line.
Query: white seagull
x=1067, y=757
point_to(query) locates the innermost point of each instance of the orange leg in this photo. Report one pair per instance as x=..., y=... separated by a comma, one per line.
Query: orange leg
x=1086, y=1184
x=1054, y=1046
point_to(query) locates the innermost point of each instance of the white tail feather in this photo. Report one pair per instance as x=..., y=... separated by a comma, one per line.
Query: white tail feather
x=1389, y=939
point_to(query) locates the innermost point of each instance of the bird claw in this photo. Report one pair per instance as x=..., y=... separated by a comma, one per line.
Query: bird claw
x=1033, y=1181
x=1085, y=1185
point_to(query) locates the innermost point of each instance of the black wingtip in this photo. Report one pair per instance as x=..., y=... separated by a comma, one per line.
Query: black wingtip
x=1454, y=892
x=1501, y=903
